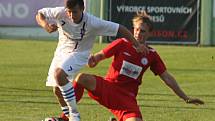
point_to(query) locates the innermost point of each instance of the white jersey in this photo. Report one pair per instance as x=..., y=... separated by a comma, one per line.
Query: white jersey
x=78, y=37
x=75, y=40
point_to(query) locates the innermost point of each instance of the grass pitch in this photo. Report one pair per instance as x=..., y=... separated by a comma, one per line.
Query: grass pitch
x=24, y=97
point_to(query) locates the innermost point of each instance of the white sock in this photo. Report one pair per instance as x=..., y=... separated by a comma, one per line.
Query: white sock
x=65, y=110
x=69, y=97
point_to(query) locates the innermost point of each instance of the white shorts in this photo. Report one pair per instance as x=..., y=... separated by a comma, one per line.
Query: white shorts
x=71, y=63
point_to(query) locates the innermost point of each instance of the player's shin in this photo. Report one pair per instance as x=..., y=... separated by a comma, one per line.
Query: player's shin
x=70, y=99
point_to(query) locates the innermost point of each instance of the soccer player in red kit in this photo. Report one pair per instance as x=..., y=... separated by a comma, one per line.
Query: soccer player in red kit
x=77, y=32
x=118, y=90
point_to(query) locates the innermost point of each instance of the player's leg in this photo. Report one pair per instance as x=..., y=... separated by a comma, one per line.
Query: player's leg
x=70, y=64
x=127, y=114
x=64, y=107
x=127, y=108
x=67, y=92
x=88, y=81
x=51, y=81
x=95, y=85
x=79, y=90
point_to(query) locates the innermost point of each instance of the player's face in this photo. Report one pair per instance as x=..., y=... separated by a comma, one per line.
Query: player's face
x=141, y=31
x=75, y=13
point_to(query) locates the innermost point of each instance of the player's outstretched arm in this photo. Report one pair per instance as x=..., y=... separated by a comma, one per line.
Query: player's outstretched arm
x=171, y=82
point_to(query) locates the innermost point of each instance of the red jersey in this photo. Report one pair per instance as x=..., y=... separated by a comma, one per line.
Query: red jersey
x=128, y=66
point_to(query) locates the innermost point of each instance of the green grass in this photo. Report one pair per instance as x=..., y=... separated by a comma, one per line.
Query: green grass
x=24, y=97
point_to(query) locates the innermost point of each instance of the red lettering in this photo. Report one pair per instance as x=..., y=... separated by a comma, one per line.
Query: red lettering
x=165, y=34
x=170, y=34
x=182, y=34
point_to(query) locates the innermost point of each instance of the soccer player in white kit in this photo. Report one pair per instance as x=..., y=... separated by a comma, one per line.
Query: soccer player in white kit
x=77, y=32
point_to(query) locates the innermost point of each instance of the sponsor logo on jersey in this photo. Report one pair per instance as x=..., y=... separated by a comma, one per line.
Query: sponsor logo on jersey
x=130, y=70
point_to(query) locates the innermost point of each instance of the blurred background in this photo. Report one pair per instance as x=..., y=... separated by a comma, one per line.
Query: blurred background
x=186, y=22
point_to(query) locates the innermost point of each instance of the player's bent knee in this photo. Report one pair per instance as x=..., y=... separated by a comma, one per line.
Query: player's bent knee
x=81, y=77
x=58, y=74
x=86, y=80
x=60, y=77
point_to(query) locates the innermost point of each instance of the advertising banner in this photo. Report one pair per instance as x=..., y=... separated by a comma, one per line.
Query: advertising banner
x=175, y=21
x=22, y=12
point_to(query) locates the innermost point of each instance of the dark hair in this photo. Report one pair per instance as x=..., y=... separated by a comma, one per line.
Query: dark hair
x=145, y=18
x=72, y=3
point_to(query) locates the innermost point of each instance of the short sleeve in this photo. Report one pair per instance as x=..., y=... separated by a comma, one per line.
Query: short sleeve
x=157, y=66
x=103, y=27
x=51, y=13
x=113, y=48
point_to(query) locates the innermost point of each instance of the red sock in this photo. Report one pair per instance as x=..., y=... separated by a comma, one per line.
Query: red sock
x=64, y=117
x=79, y=90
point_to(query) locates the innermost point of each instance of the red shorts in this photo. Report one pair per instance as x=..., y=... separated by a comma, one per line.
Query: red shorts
x=119, y=101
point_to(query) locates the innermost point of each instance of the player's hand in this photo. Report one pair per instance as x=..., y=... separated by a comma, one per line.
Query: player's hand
x=194, y=101
x=50, y=28
x=92, y=61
